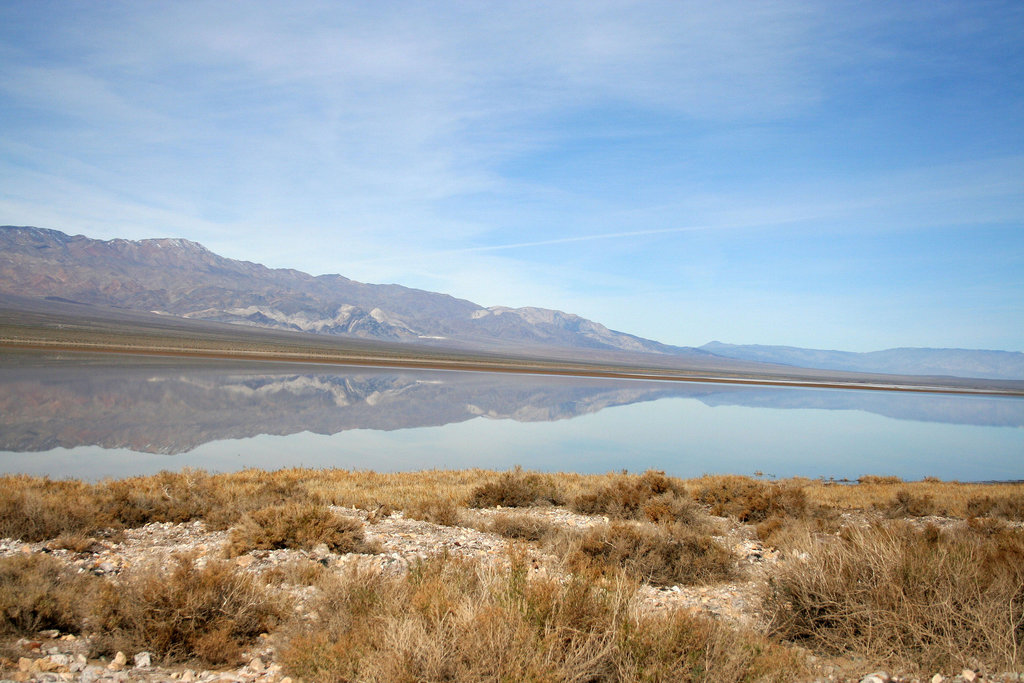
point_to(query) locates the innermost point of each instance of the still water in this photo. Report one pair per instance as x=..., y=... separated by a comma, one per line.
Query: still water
x=95, y=417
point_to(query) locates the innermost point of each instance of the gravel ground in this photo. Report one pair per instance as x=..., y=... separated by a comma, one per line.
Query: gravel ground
x=52, y=656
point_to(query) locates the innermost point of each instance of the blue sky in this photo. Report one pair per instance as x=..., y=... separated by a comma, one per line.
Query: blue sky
x=824, y=174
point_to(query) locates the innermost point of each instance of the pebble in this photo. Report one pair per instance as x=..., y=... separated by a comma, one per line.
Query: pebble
x=120, y=659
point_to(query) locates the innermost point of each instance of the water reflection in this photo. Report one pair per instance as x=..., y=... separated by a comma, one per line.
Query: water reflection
x=165, y=407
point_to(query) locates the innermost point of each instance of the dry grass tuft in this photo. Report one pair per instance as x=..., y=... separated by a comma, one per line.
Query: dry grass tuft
x=873, y=479
x=1000, y=507
x=920, y=600
x=38, y=592
x=297, y=572
x=907, y=504
x=299, y=526
x=36, y=509
x=436, y=511
x=517, y=488
x=453, y=621
x=521, y=526
x=651, y=496
x=749, y=500
x=188, y=612
x=76, y=542
x=657, y=554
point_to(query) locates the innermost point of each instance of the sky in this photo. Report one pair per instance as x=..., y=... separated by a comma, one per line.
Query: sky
x=843, y=175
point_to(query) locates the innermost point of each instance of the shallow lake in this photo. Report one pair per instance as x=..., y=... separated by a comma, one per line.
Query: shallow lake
x=95, y=417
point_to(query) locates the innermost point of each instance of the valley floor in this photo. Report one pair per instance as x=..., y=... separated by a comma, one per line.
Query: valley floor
x=477, y=575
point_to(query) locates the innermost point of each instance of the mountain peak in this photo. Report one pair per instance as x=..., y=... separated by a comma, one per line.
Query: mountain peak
x=175, y=243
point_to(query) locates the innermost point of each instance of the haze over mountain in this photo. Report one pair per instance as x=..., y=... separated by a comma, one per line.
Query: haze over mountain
x=182, y=278
x=956, y=362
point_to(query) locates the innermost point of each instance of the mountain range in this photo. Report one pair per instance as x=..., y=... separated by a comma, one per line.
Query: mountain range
x=181, y=278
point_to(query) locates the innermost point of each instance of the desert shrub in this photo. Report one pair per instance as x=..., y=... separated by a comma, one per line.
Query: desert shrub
x=297, y=572
x=437, y=511
x=874, y=479
x=789, y=533
x=651, y=496
x=38, y=592
x=752, y=501
x=38, y=509
x=1002, y=507
x=661, y=555
x=517, y=488
x=520, y=526
x=298, y=526
x=925, y=600
x=76, y=542
x=208, y=612
x=675, y=646
x=906, y=504
x=168, y=497
x=771, y=529
x=448, y=620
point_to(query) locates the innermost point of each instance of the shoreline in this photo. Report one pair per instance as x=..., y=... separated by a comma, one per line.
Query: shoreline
x=508, y=365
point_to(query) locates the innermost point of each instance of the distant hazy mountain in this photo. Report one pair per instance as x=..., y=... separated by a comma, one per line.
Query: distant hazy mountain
x=183, y=278
x=950, y=362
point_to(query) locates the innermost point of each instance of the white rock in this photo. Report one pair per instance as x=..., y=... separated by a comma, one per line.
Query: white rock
x=876, y=677
x=143, y=660
x=61, y=660
x=120, y=659
x=937, y=678
x=968, y=675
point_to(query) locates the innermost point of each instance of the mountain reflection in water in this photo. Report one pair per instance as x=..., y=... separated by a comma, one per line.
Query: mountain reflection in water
x=169, y=407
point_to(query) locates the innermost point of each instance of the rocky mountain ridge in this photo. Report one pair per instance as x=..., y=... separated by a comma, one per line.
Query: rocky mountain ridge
x=183, y=278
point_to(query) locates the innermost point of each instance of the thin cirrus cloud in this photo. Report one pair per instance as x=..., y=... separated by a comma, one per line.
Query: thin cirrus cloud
x=616, y=159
